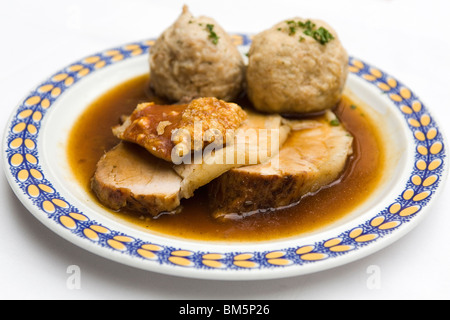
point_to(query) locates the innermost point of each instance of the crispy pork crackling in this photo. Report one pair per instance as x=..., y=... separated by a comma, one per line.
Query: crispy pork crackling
x=174, y=131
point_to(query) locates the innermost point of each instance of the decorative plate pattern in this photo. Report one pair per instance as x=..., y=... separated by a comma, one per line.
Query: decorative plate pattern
x=31, y=184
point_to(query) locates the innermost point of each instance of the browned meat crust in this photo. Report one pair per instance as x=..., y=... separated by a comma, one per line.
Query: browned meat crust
x=161, y=128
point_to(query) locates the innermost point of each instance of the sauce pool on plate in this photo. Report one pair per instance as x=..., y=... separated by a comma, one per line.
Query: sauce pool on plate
x=91, y=137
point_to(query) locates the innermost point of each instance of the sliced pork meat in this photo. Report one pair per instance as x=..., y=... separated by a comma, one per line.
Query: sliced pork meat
x=313, y=156
x=256, y=141
x=128, y=177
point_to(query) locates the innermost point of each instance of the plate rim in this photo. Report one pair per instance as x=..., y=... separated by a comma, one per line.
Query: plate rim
x=237, y=265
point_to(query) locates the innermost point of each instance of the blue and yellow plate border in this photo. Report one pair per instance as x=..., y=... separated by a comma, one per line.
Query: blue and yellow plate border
x=30, y=182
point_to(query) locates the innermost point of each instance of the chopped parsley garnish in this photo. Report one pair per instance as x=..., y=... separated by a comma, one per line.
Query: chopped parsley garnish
x=292, y=27
x=335, y=122
x=212, y=35
x=321, y=35
x=307, y=25
x=291, y=31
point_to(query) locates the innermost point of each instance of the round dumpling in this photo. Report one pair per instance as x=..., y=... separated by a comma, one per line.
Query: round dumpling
x=195, y=58
x=297, y=66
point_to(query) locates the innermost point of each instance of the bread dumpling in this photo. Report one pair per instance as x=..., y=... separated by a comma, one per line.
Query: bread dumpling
x=194, y=58
x=297, y=66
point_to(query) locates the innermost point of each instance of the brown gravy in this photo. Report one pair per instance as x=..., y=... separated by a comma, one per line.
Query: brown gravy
x=91, y=136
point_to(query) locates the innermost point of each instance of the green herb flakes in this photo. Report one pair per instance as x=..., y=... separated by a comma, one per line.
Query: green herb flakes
x=335, y=122
x=212, y=35
x=321, y=35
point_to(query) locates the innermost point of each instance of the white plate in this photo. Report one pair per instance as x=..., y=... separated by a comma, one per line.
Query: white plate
x=36, y=167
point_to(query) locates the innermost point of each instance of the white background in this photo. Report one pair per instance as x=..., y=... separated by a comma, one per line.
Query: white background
x=407, y=38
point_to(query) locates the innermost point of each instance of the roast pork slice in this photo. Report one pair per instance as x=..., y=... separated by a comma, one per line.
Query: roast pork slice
x=129, y=177
x=313, y=156
x=256, y=141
